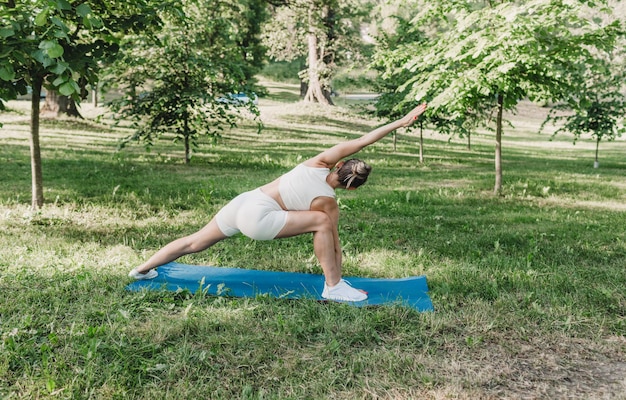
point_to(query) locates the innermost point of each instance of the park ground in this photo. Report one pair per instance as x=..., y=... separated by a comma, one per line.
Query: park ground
x=529, y=287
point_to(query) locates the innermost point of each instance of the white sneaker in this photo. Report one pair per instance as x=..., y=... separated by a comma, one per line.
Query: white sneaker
x=140, y=276
x=343, y=292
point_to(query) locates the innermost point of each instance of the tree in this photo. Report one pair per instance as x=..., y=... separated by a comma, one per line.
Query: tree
x=598, y=111
x=487, y=56
x=322, y=32
x=394, y=31
x=181, y=81
x=57, y=45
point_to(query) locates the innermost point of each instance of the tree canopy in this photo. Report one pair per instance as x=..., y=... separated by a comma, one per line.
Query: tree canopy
x=181, y=80
x=61, y=42
x=484, y=57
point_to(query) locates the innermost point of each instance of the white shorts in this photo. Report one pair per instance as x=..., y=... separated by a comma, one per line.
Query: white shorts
x=254, y=213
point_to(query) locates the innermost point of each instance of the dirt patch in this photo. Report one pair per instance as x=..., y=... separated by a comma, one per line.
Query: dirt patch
x=569, y=369
x=556, y=377
x=563, y=369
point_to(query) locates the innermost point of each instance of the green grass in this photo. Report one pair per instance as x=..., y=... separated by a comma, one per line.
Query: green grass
x=529, y=288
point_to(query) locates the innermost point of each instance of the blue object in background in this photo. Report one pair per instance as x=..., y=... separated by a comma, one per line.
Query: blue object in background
x=411, y=292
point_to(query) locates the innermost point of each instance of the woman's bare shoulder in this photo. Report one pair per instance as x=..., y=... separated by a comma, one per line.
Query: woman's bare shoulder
x=317, y=162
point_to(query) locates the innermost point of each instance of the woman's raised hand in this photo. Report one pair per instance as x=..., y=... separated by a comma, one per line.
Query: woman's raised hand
x=413, y=115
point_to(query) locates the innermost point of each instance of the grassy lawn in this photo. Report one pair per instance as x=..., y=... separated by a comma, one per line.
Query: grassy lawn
x=529, y=288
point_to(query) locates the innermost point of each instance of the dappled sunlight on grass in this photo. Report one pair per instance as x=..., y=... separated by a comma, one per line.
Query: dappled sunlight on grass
x=385, y=263
x=589, y=204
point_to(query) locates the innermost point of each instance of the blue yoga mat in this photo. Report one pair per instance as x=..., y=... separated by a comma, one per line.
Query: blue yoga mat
x=238, y=282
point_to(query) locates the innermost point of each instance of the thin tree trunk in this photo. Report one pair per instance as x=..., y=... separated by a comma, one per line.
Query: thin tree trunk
x=35, y=150
x=304, y=86
x=328, y=58
x=421, y=142
x=187, y=151
x=186, y=140
x=94, y=93
x=498, y=186
x=596, y=164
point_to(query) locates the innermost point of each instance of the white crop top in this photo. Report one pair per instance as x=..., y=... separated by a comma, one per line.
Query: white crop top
x=301, y=185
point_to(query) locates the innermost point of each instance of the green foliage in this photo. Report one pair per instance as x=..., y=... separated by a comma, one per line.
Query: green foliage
x=179, y=81
x=520, y=50
x=356, y=79
x=284, y=34
x=336, y=25
x=63, y=43
x=598, y=109
x=391, y=104
x=601, y=118
x=283, y=71
x=471, y=60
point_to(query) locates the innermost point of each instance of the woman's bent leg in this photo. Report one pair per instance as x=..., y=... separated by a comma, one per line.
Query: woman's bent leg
x=326, y=250
x=317, y=222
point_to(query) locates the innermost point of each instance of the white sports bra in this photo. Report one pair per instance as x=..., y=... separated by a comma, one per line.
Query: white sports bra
x=301, y=185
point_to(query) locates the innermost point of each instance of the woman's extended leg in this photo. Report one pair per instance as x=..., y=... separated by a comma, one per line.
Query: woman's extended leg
x=201, y=240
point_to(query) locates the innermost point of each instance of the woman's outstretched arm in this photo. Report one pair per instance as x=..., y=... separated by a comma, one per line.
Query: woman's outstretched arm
x=332, y=156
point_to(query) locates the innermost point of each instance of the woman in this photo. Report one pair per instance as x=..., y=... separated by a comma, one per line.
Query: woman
x=300, y=201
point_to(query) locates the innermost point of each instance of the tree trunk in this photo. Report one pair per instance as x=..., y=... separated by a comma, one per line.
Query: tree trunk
x=187, y=134
x=329, y=17
x=304, y=86
x=314, y=92
x=94, y=94
x=35, y=150
x=57, y=105
x=596, y=163
x=498, y=187
x=187, y=151
x=421, y=143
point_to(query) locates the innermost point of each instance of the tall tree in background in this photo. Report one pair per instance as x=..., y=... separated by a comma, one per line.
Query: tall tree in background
x=321, y=31
x=393, y=29
x=489, y=56
x=599, y=109
x=57, y=45
x=181, y=81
